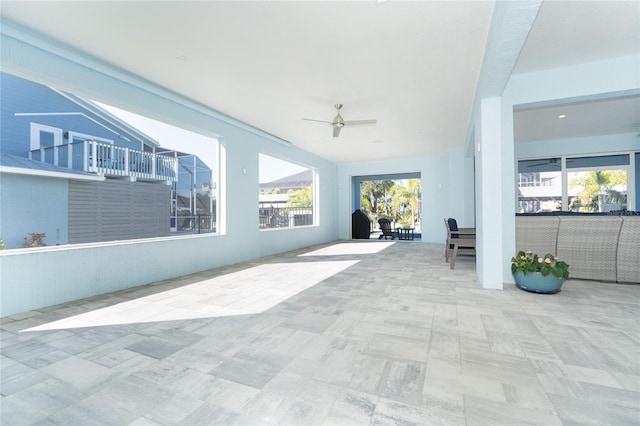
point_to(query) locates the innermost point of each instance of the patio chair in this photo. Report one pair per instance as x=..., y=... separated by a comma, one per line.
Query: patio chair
x=385, y=227
x=459, y=240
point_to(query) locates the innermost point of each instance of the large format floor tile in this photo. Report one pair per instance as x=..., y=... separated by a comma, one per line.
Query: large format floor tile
x=351, y=333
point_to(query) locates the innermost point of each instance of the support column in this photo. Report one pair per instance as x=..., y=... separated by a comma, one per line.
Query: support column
x=495, y=169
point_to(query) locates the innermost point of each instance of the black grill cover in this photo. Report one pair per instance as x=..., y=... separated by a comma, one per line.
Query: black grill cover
x=360, y=225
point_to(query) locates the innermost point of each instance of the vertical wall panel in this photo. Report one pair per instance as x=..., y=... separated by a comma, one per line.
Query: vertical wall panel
x=117, y=210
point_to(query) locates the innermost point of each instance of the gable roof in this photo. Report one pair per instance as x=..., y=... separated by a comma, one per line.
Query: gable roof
x=105, y=115
x=299, y=180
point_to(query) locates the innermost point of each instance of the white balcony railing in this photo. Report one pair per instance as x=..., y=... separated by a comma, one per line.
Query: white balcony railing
x=110, y=160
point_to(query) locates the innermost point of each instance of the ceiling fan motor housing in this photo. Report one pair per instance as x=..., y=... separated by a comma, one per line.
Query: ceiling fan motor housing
x=338, y=121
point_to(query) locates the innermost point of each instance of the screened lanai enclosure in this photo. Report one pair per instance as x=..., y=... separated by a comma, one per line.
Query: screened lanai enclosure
x=192, y=196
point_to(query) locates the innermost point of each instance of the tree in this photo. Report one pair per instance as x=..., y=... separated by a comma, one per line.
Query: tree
x=301, y=198
x=598, y=187
x=415, y=188
x=376, y=192
x=401, y=199
x=406, y=201
x=395, y=200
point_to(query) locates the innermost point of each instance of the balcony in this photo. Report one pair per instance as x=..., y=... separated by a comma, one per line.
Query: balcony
x=110, y=161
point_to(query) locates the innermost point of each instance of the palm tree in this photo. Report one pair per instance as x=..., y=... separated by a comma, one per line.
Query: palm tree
x=597, y=187
x=376, y=192
x=415, y=187
x=406, y=200
x=401, y=200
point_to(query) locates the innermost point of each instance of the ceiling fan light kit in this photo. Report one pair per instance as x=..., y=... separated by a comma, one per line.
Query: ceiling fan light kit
x=338, y=122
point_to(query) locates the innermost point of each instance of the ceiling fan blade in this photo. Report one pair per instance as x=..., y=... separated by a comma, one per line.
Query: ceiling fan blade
x=318, y=121
x=336, y=131
x=359, y=122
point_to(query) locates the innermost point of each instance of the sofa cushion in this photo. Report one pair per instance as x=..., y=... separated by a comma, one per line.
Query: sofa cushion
x=629, y=250
x=589, y=245
x=537, y=234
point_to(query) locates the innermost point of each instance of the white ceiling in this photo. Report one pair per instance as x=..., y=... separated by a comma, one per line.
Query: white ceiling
x=579, y=119
x=413, y=66
x=573, y=32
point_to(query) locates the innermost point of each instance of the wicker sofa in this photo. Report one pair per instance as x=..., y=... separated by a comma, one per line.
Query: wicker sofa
x=605, y=248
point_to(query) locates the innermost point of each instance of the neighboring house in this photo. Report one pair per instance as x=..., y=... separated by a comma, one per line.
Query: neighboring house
x=192, y=196
x=72, y=170
x=294, y=182
x=274, y=208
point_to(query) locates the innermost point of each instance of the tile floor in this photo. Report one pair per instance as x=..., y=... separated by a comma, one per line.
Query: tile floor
x=351, y=333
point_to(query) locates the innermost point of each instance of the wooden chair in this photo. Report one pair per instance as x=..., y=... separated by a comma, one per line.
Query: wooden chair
x=385, y=227
x=459, y=240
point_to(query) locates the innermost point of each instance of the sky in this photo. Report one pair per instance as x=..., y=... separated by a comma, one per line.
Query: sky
x=169, y=136
x=272, y=168
x=179, y=139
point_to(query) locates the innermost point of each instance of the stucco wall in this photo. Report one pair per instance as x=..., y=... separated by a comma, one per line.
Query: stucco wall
x=34, y=278
x=443, y=180
x=32, y=204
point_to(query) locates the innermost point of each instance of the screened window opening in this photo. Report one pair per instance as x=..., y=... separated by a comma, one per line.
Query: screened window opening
x=286, y=194
x=193, y=203
x=398, y=200
x=101, y=173
x=539, y=185
x=594, y=184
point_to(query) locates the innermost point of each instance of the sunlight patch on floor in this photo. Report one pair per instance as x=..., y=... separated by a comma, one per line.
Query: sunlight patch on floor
x=250, y=291
x=350, y=248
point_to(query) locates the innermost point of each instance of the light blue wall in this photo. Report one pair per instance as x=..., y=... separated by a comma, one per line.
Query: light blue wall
x=595, y=80
x=34, y=278
x=578, y=146
x=32, y=204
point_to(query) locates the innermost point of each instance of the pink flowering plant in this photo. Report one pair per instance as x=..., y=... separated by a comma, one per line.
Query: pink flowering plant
x=547, y=264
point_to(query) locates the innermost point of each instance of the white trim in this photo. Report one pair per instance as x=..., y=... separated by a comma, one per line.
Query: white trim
x=564, y=183
x=632, y=203
x=570, y=156
x=36, y=128
x=315, y=174
x=85, y=136
x=47, y=173
x=29, y=114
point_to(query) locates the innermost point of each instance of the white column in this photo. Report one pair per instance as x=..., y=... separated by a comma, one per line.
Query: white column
x=495, y=208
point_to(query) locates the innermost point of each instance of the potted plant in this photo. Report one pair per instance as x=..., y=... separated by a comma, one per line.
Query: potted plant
x=35, y=240
x=538, y=274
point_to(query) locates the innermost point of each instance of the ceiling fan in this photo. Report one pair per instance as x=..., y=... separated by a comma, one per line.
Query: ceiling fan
x=338, y=122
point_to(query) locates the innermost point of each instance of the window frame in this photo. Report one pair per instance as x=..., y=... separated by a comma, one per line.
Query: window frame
x=35, y=131
x=314, y=194
x=62, y=138
x=630, y=168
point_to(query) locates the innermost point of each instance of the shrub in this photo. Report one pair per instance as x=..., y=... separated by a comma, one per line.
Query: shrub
x=35, y=240
x=547, y=264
